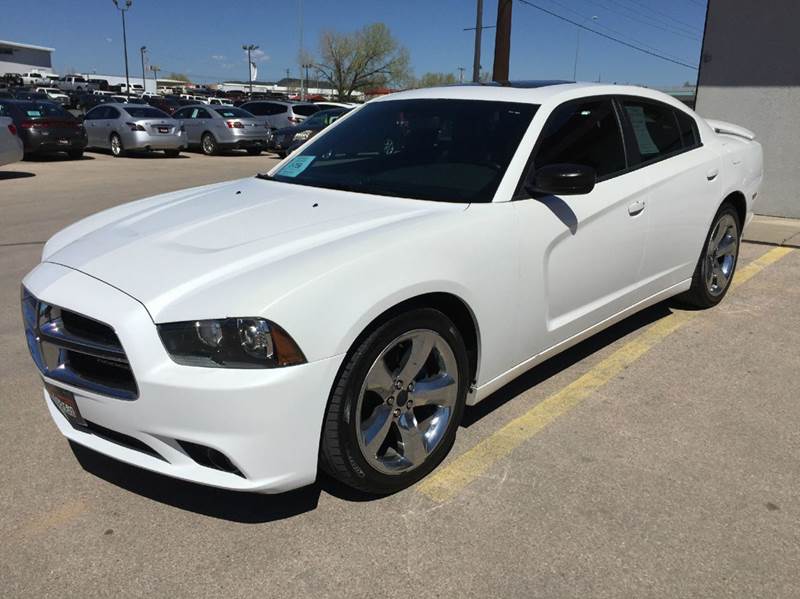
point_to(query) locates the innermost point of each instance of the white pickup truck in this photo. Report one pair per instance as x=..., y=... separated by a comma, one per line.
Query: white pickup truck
x=76, y=83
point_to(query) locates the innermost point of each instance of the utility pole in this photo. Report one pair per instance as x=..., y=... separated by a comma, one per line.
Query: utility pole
x=142, y=50
x=124, y=5
x=502, y=41
x=249, y=48
x=461, y=74
x=476, y=61
x=155, y=70
x=306, y=66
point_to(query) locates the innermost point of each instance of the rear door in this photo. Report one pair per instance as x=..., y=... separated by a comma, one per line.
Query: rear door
x=581, y=254
x=683, y=187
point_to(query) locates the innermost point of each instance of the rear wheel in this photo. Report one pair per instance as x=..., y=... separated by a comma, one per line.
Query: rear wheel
x=717, y=265
x=116, y=146
x=208, y=143
x=397, y=403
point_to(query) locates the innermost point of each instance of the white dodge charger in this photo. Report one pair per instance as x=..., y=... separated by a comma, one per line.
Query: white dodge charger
x=341, y=310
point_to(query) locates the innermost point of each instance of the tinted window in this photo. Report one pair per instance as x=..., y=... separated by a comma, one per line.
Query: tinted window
x=95, y=114
x=145, y=112
x=111, y=113
x=305, y=109
x=233, y=113
x=201, y=113
x=182, y=113
x=655, y=128
x=264, y=108
x=584, y=132
x=688, y=128
x=38, y=110
x=441, y=150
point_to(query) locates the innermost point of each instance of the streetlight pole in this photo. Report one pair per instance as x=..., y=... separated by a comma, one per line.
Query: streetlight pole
x=123, y=6
x=306, y=66
x=142, y=50
x=249, y=48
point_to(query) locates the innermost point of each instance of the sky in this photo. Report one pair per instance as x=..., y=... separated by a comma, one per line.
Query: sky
x=203, y=39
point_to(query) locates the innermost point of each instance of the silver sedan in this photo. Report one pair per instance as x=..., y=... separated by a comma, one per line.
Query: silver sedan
x=130, y=127
x=216, y=128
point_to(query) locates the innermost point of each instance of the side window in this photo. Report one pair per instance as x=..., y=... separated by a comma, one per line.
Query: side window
x=256, y=109
x=111, y=113
x=655, y=128
x=583, y=132
x=688, y=128
x=180, y=114
x=202, y=113
x=93, y=114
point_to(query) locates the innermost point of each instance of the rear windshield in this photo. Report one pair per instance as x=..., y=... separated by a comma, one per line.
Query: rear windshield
x=40, y=110
x=233, y=113
x=305, y=109
x=145, y=112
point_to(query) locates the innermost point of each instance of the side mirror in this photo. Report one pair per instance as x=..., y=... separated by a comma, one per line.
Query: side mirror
x=562, y=179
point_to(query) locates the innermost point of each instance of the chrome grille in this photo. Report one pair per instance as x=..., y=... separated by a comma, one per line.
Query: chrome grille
x=76, y=350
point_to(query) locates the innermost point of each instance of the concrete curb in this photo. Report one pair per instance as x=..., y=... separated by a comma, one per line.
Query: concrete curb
x=773, y=231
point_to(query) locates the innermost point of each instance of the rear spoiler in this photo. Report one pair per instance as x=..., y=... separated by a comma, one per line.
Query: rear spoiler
x=731, y=129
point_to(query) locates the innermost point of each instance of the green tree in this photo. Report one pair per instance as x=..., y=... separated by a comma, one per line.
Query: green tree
x=179, y=77
x=365, y=59
x=435, y=80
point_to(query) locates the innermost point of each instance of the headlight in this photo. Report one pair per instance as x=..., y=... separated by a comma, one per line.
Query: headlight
x=230, y=343
x=303, y=135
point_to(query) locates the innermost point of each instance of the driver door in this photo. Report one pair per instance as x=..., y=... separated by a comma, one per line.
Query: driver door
x=581, y=255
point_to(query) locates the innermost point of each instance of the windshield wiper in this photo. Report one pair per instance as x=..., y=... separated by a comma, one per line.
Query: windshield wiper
x=265, y=176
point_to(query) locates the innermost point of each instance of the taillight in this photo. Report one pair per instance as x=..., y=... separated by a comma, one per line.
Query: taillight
x=12, y=128
x=27, y=124
x=136, y=127
x=234, y=125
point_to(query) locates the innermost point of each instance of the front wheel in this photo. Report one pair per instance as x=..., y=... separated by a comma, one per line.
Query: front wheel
x=717, y=265
x=396, y=404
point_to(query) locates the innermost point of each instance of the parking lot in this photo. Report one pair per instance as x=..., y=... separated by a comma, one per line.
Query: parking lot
x=659, y=458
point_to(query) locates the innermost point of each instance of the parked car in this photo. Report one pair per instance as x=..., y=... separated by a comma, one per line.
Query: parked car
x=220, y=102
x=11, y=148
x=343, y=309
x=98, y=84
x=4, y=93
x=166, y=104
x=278, y=114
x=85, y=101
x=33, y=78
x=55, y=95
x=326, y=105
x=124, y=128
x=289, y=139
x=33, y=96
x=217, y=128
x=45, y=127
x=75, y=83
x=127, y=100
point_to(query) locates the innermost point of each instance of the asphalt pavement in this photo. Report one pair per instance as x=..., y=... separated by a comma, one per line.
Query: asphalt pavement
x=657, y=459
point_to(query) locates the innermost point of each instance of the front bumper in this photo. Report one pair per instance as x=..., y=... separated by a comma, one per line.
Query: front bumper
x=266, y=422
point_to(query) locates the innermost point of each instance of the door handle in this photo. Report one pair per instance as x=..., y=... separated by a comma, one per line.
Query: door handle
x=636, y=207
x=712, y=174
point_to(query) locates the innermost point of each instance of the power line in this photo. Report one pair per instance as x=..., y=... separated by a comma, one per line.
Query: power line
x=649, y=22
x=667, y=16
x=606, y=36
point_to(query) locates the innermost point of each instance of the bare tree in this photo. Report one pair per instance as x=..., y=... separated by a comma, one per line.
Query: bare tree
x=435, y=80
x=365, y=59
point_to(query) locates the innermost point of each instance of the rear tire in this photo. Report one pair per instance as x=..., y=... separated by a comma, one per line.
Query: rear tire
x=208, y=144
x=396, y=404
x=117, y=150
x=717, y=264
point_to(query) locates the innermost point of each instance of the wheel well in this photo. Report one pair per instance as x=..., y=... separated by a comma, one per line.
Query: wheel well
x=738, y=201
x=448, y=304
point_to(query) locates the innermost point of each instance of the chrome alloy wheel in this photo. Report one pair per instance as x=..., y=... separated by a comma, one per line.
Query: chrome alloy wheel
x=209, y=145
x=116, y=145
x=723, y=246
x=407, y=401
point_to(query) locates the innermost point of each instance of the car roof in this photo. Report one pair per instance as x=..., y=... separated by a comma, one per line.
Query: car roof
x=529, y=92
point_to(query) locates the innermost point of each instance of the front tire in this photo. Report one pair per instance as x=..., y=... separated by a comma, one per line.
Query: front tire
x=717, y=265
x=396, y=404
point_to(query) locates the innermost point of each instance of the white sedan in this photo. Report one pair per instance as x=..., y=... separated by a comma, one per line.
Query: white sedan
x=341, y=311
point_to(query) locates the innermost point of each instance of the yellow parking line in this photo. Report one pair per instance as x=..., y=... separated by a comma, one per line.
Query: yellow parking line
x=446, y=482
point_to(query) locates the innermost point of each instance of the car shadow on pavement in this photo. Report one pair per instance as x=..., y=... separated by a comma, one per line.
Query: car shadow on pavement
x=242, y=507
x=54, y=158
x=141, y=155
x=6, y=175
x=566, y=359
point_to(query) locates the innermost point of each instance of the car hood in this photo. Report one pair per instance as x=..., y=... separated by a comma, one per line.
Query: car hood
x=167, y=248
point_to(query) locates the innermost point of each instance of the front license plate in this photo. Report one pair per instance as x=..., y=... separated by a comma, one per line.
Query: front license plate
x=65, y=402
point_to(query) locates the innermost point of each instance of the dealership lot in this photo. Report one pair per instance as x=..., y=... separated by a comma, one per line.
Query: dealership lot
x=659, y=458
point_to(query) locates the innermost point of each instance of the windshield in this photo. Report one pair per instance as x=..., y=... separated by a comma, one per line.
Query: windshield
x=233, y=113
x=145, y=112
x=305, y=109
x=442, y=150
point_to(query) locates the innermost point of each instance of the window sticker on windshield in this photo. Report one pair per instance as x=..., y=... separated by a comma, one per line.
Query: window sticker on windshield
x=34, y=112
x=296, y=166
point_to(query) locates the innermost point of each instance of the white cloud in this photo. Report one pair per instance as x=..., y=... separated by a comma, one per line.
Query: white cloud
x=257, y=56
x=109, y=40
x=217, y=57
